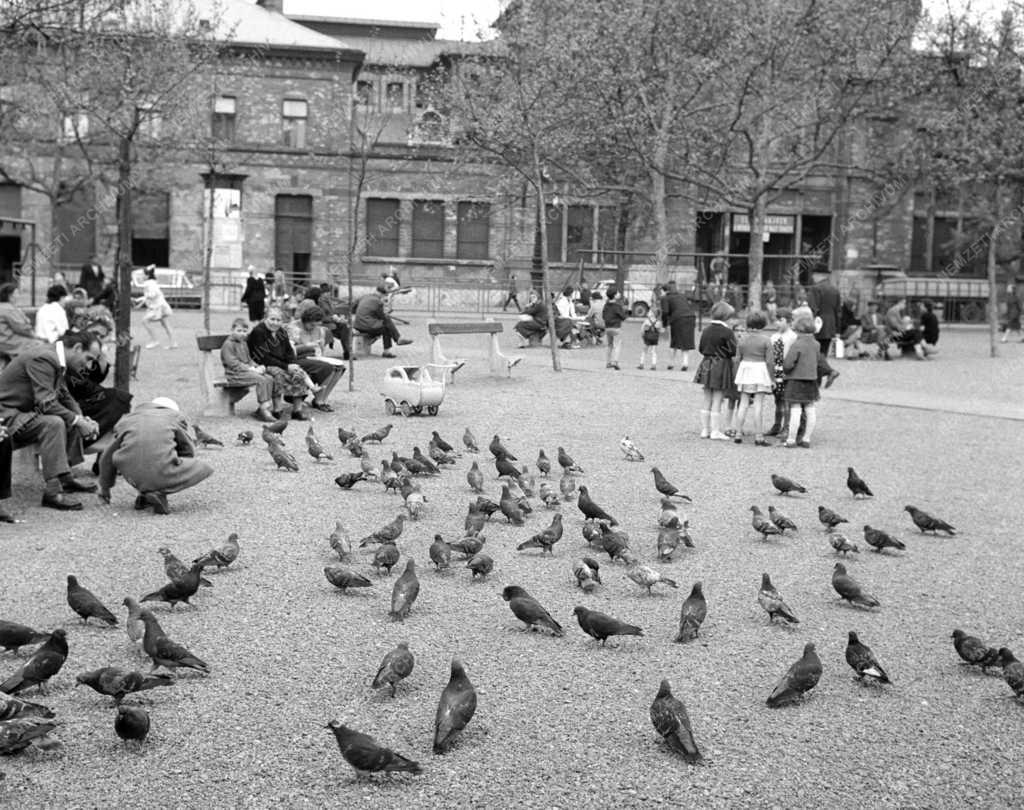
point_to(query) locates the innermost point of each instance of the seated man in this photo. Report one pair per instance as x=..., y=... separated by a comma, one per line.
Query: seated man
x=37, y=408
x=873, y=329
x=154, y=452
x=374, y=322
x=533, y=321
x=901, y=331
x=566, y=327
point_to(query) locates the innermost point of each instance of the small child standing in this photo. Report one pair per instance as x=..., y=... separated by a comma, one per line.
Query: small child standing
x=783, y=338
x=754, y=376
x=717, y=347
x=613, y=314
x=801, y=368
x=650, y=333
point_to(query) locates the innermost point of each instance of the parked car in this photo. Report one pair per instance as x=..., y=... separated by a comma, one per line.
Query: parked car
x=179, y=290
x=636, y=298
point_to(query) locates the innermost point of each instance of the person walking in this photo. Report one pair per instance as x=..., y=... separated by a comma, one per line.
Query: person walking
x=1013, y=312
x=613, y=314
x=678, y=317
x=826, y=304
x=157, y=309
x=512, y=296
x=91, y=279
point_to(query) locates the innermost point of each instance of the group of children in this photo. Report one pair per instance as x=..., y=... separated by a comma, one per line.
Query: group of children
x=739, y=372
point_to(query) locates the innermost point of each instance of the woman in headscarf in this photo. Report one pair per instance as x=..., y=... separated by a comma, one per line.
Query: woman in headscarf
x=270, y=347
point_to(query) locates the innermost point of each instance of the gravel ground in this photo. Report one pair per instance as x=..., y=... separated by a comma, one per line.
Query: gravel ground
x=560, y=722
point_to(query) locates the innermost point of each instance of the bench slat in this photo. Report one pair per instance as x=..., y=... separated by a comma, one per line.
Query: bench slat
x=465, y=328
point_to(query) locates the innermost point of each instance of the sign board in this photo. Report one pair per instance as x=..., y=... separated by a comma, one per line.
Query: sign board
x=774, y=223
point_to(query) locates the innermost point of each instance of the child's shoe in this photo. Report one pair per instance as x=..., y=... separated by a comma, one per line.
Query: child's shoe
x=760, y=441
x=804, y=443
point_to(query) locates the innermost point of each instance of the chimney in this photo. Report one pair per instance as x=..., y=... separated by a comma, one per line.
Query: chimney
x=277, y=6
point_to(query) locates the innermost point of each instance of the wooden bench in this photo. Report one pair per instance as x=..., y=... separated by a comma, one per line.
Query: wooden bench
x=219, y=396
x=27, y=457
x=500, y=363
x=362, y=343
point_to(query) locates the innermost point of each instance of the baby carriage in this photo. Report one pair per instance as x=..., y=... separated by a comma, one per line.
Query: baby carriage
x=412, y=389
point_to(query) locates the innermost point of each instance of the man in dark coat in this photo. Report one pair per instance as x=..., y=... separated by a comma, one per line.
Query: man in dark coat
x=91, y=279
x=38, y=409
x=826, y=303
x=374, y=322
x=255, y=295
x=153, y=451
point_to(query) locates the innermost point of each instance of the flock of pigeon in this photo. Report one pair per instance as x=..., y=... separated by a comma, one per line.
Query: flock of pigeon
x=24, y=723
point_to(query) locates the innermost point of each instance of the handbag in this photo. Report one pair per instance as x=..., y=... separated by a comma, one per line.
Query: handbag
x=840, y=347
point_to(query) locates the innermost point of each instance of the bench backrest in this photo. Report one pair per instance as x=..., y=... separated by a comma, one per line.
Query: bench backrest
x=465, y=328
x=210, y=343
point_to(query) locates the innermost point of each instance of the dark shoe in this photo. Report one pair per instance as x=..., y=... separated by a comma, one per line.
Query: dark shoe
x=263, y=416
x=773, y=430
x=616, y=367
x=738, y=440
x=61, y=502
x=669, y=368
x=141, y=503
x=389, y=355
x=300, y=415
x=831, y=378
x=95, y=469
x=70, y=484
x=760, y=443
x=803, y=443
x=6, y=518
x=403, y=341
x=323, y=406
x=683, y=368
x=158, y=501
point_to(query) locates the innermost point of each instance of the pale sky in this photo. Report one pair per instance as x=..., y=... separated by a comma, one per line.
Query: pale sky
x=459, y=19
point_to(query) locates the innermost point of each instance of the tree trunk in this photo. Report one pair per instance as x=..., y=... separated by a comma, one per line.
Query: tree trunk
x=993, y=293
x=621, y=238
x=660, y=227
x=123, y=268
x=208, y=253
x=538, y=175
x=755, y=258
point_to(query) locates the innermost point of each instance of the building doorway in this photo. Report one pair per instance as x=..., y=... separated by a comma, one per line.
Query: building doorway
x=151, y=229
x=10, y=257
x=293, y=236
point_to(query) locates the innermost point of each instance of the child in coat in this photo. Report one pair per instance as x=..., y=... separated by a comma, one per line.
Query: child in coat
x=650, y=333
x=802, y=376
x=613, y=316
x=717, y=347
x=239, y=369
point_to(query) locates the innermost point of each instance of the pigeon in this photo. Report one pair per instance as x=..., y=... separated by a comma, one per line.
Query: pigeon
x=543, y=463
x=349, y=480
x=365, y=756
x=475, y=519
x=630, y=449
x=615, y=543
x=440, y=443
x=841, y=544
x=546, y=539
x=590, y=510
x=469, y=441
x=781, y=520
x=388, y=533
x=927, y=523
x=271, y=433
x=485, y=505
x=405, y=591
x=668, y=714
x=668, y=542
x=856, y=484
x=665, y=488
x=506, y=468
x=354, y=447
x=547, y=495
x=14, y=636
x=345, y=436
x=830, y=519
x=344, y=578
x=173, y=567
x=116, y=682
x=245, y=438
x=974, y=651
x=669, y=514
x=475, y=478
x=425, y=462
x=388, y=477
x=439, y=456
x=455, y=709
x=849, y=589
x=131, y=724
x=282, y=458
x=761, y=524
x=396, y=666
x=592, y=534
x=12, y=707
x=86, y=605
x=469, y=545
x=567, y=486
x=510, y=507
x=878, y=540
x=785, y=485
x=440, y=553
x=692, y=615
x=133, y=624
x=684, y=535
x=367, y=466
x=178, y=590
x=378, y=436
x=528, y=610
x=386, y=556
x=600, y=626
x=527, y=482
x=415, y=502
x=43, y=664
x=771, y=601
x=1013, y=671
x=314, y=447
x=802, y=677
x=222, y=556
x=863, y=661
x=567, y=463
x=21, y=732
x=480, y=564
x=204, y=438
x=645, y=576
x=587, y=573
x=164, y=651
x=498, y=449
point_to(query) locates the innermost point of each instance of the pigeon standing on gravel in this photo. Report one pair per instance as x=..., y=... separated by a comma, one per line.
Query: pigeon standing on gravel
x=117, y=682
x=546, y=539
x=14, y=636
x=21, y=732
x=601, y=626
x=1013, y=671
x=587, y=573
x=378, y=436
x=850, y=590
x=469, y=441
x=528, y=610
x=133, y=624
x=590, y=510
x=761, y=524
x=282, y=458
x=974, y=651
x=927, y=523
x=645, y=576
x=349, y=480
x=839, y=542
x=510, y=507
x=856, y=484
x=504, y=467
x=863, y=661
x=365, y=756
x=131, y=724
x=245, y=438
x=802, y=677
x=771, y=601
x=666, y=488
x=543, y=463
x=480, y=564
x=315, y=447
x=547, y=495
x=222, y=556
x=440, y=553
x=440, y=443
x=396, y=666
x=878, y=540
x=455, y=708
x=475, y=478
x=44, y=663
x=498, y=449
x=386, y=556
x=567, y=463
x=692, y=615
x=86, y=605
x=615, y=543
x=407, y=588
x=345, y=436
x=12, y=707
x=567, y=486
x=671, y=721
x=204, y=438
x=786, y=485
x=164, y=651
x=178, y=590
x=628, y=446
x=669, y=515
x=668, y=542
x=388, y=533
x=781, y=520
x=830, y=519
x=344, y=578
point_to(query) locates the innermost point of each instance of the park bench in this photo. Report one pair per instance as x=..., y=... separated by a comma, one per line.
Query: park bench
x=500, y=363
x=219, y=396
x=27, y=457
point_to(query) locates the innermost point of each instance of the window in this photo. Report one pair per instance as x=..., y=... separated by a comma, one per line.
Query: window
x=382, y=222
x=151, y=228
x=572, y=235
x=293, y=235
x=223, y=124
x=554, y=220
x=474, y=228
x=365, y=94
x=428, y=229
x=430, y=128
x=395, y=97
x=225, y=193
x=75, y=126
x=150, y=121
x=293, y=117
x=579, y=233
x=75, y=228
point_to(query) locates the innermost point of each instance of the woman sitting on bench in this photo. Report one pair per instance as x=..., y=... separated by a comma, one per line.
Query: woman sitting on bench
x=308, y=338
x=270, y=347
